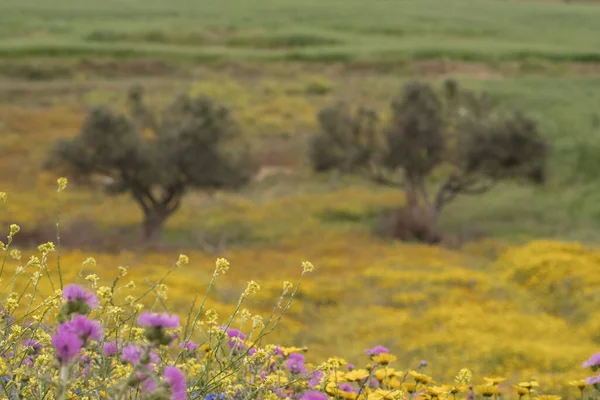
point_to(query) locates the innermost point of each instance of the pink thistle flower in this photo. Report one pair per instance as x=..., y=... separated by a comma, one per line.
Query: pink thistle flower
x=155, y=320
x=377, y=350
x=75, y=292
x=313, y=395
x=83, y=327
x=67, y=345
x=593, y=361
x=176, y=380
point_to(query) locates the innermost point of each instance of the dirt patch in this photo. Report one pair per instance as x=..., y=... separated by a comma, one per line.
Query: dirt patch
x=32, y=121
x=268, y=172
x=126, y=68
x=445, y=68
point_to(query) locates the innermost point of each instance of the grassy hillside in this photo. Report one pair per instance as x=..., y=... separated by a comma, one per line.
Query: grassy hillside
x=485, y=30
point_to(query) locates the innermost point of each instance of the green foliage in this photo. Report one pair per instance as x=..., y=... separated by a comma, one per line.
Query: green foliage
x=347, y=141
x=193, y=145
x=502, y=147
x=461, y=132
x=415, y=136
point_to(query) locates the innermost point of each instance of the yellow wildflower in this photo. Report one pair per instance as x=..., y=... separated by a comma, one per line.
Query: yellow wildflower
x=420, y=378
x=222, y=266
x=204, y=347
x=384, y=358
x=336, y=376
x=333, y=389
x=529, y=385
x=251, y=289
x=93, y=278
x=455, y=389
x=487, y=390
x=15, y=254
x=183, y=260
x=494, y=381
x=357, y=375
x=289, y=350
x=580, y=384
x=257, y=322
x=435, y=391
x=3, y=367
x=336, y=362
x=62, y=184
x=307, y=267
x=409, y=387
x=104, y=292
x=381, y=394
x=14, y=229
x=45, y=248
x=90, y=262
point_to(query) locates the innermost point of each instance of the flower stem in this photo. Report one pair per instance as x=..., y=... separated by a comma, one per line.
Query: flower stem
x=61, y=394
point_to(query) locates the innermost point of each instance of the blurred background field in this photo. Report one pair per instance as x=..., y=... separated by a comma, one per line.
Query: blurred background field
x=520, y=298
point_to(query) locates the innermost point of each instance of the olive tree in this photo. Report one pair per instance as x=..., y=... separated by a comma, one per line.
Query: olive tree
x=192, y=144
x=456, y=133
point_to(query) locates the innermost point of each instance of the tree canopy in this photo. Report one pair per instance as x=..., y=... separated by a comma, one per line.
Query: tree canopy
x=157, y=158
x=461, y=134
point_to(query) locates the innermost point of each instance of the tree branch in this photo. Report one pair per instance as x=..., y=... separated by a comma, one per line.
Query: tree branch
x=381, y=179
x=455, y=185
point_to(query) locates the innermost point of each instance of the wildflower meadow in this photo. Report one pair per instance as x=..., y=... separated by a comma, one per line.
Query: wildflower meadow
x=82, y=340
x=299, y=199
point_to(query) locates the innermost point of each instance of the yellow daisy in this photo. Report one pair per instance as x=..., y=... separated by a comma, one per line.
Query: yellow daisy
x=384, y=359
x=494, y=381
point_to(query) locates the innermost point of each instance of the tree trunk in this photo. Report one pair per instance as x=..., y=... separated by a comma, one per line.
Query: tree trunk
x=154, y=221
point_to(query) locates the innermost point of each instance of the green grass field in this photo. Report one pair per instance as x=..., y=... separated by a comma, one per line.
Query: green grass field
x=332, y=30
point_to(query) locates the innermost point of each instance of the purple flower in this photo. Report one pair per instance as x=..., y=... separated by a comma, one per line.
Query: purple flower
x=252, y=352
x=471, y=395
x=278, y=351
x=154, y=320
x=83, y=327
x=67, y=345
x=315, y=378
x=234, y=333
x=423, y=364
x=133, y=353
x=346, y=387
x=295, y=364
x=176, y=381
x=189, y=346
x=377, y=350
x=313, y=395
x=75, y=292
x=350, y=367
x=593, y=361
x=593, y=380
x=297, y=356
x=148, y=384
x=110, y=348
